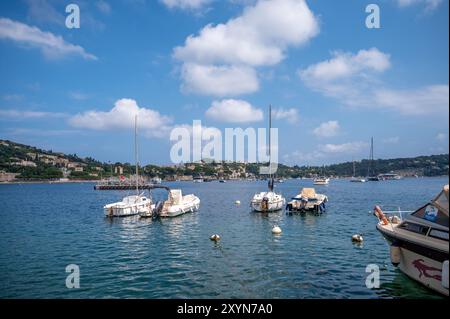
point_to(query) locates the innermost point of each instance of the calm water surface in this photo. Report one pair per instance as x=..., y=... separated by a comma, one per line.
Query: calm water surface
x=45, y=227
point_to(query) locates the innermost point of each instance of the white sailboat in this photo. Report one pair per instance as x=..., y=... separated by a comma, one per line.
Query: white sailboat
x=268, y=201
x=134, y=204
x=356, y=179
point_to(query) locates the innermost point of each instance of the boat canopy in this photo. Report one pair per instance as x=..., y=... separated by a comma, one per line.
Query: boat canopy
x=308, y=192
x=441, y=200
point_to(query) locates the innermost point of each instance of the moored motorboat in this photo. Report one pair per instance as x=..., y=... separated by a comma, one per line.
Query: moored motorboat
x=307, y=200
x=419, y=242
x=321, y=181
x=177, y=204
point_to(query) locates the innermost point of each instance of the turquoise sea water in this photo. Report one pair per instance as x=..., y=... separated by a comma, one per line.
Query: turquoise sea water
x=45, y=227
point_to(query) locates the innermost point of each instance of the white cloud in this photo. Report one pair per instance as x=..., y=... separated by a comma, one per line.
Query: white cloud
x=345, y=65
x=441, y=137
x=234, y=111
x=218, y=80
x=352, y=80
x=391, y=140
x=430, y=5
x=51, y=45
x=103, y=7
x=327, y=129
x=352, y=147
x=425, y=100
x=121, y=116
x=29, y=114
x=185, y=4
x=258, y=37
x=290, y=115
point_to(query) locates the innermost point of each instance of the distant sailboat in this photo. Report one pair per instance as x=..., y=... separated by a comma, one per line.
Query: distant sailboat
x=370, y=170
x=356, y=179
x=268, y=201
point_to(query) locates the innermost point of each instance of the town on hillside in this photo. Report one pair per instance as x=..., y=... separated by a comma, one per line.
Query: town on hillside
x=23, y=163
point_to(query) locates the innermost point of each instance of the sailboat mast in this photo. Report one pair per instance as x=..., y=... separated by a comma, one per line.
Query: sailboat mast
x=353, y=168
x=136, y=154
x=270, y=142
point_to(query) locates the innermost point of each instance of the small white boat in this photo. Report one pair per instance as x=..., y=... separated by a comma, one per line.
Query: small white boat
x=307, y=200
x=177, y=204
x=419, y=242
x=129, y=206
x=267, y=202
x=356, y=179
x=321, y=181
x=134, y=204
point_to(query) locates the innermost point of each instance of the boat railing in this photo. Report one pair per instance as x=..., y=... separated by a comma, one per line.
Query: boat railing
x=397, y=213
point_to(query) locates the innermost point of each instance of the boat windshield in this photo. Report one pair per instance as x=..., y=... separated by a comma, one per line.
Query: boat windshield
x=433, y=214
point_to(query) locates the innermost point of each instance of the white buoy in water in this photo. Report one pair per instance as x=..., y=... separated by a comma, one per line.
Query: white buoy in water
x=357, y=238
x=215, y=237
x=238, y=202
x=276, y=230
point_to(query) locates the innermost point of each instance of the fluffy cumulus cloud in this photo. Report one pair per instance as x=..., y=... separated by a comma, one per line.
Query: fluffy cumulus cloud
x=185, y=4
x=260, y=36
x=51, y=45
x=353, y=79
x=122, y=116
x=290, y=115
x=234, y=111
x=327, y=129
x=218, y=80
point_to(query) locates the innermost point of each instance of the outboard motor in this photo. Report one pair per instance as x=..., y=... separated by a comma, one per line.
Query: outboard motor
x=158, y=209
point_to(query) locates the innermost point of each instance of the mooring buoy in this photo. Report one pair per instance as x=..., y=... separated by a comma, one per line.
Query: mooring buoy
x=276, y=230
x=215, y=237
x=357, y=238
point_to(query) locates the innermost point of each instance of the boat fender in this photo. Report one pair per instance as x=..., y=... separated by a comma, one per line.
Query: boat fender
x=395, y=255
x=215, y=237
x=379, y=213
x=276, y=230
x=445, y=274
x=357, y=238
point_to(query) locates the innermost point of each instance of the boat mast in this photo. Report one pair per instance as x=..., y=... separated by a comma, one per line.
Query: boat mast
x=353, y=168
x=270, y=146
x=270, y=127
x=136, y=154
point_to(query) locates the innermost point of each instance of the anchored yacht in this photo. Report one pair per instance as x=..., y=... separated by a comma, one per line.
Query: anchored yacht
x=419, y=242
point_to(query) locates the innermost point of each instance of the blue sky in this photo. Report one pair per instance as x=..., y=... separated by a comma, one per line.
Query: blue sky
x=333, y=82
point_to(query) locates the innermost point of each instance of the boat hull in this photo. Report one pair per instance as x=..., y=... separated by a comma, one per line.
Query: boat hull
x=190, y=206
x=272, y=206
x=422, y=264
